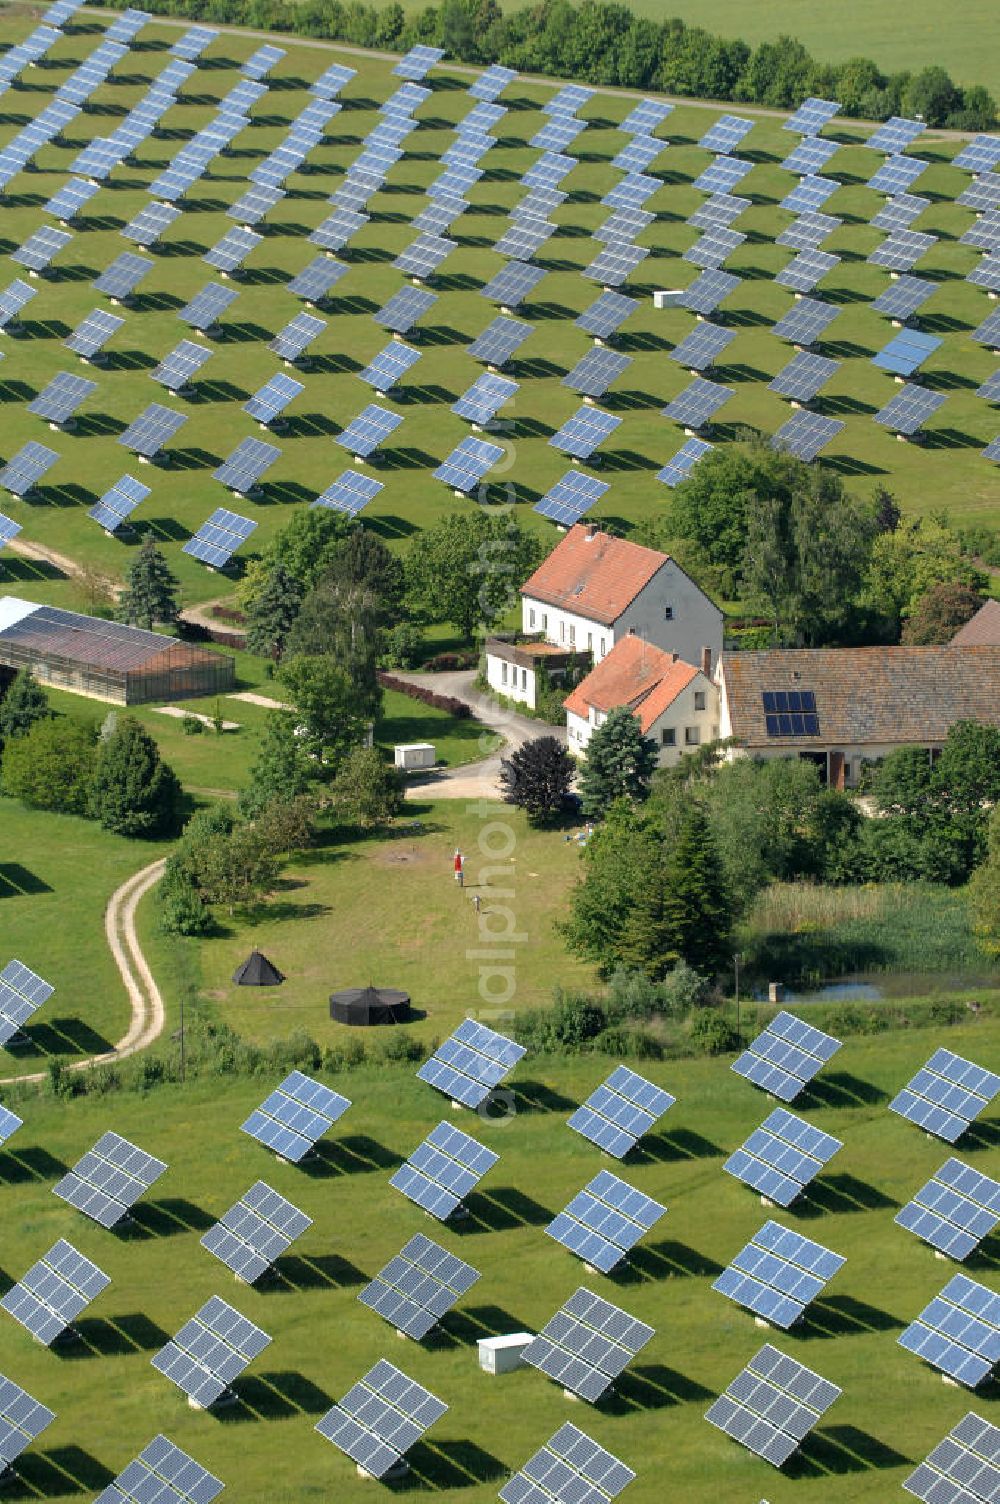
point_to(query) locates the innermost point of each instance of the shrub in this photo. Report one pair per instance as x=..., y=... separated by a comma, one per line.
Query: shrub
x=400, y=1045
x=946, y=1011
x=448, y=703
x=192, y=726
x=711, y=1034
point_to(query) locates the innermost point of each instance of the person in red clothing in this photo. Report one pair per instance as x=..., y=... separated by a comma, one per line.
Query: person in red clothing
x=459, y=869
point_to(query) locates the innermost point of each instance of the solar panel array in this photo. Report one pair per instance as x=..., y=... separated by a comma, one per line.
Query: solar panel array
x=786, y=1056
x=442, y=1170
x=570, y=1466
x=54, y=1292
x=22, y=1420
x=162, y=1472
x=679, y=467
x=958, y=1332
x=471, y=1063
x=782, y=1157
x=571, y=497
x=957, y=1208
x=605, y=1221
x=295, y=1116
x=219, y=537
x=587, y=1345
x=946, y=1095
x=255, y=1232
x=772, y=1405
x=621, y=1111
x=210, y=1351
x=380, y=1418
x=418, y=1287
x=964, y=1468
x=778, y=1274
x=22, y=993
x=110, y=1178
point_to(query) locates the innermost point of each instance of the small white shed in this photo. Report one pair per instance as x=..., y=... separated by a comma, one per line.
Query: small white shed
x=503, y=1354
x=412, y=755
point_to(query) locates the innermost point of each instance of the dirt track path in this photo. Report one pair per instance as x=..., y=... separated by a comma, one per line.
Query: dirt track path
x=148, y=1014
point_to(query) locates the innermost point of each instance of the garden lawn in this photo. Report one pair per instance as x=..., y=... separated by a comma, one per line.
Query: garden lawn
x=57, y=873
x=109, y=1401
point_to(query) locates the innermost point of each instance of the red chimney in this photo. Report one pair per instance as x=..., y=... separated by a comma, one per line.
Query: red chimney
x=706, y=662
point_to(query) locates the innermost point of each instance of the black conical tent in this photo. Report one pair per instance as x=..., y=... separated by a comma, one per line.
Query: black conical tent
x=257, y=971
x=370, y=1005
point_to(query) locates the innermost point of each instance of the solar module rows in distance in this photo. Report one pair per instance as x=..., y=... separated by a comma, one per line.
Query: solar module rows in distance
x=255, y=1232
x=621, y=1111
x=782, y=1157
x=772, y=1405
x=786, y=1056
x=946, y=1095
x=418, y=1287
x=110, y=1178
x=604, y=1221
x=471, y=1063
x=380, y=1418
x=955, y=1210
x=443, y=1169
x=587, y=1344
x=778, y=1274
x=164, y=1474
x=54, y=1292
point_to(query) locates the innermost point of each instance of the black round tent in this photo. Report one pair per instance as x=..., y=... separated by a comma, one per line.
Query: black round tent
x=366, y=1006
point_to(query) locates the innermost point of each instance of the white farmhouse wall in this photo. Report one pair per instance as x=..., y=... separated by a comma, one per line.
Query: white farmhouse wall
x=511, y=680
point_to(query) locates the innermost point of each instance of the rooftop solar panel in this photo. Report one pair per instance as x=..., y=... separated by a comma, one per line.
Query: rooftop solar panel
x=119, y=280
x=702, y=346
x=803, y=376
x=963, y=1468
x=59, y=400
x=267, y=404
x=116, y=506
x=571, y=498
x=418, y=1287
x=90, y=336
x=54, y=1292
x=23, y=471
x=210, y=1351
x=295, y=1116
x=110, y=1178
x=349, y=493
x=782, y=1157
x=624, y=1108
x=805, y=434
x=683, y=462
x=723, y=175
x=22, y=1421
x=500, y=340
x=442, y=1170
x=255, y=1232
x=806, y=270
x=806, y=321
x=604, y=1221
x=772, y=1405
x=909, y=409
x=368, y=430
x=708, y=291
x=895, y=135
x=471, y=1063
x=219, y=537
x=778, y=1274
x=955, y=1210
x=698, y=403
x=958, y=1332
x=587, y=1345
x=946, y=1095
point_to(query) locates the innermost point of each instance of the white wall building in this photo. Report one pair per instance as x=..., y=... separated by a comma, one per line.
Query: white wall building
x=676, y=704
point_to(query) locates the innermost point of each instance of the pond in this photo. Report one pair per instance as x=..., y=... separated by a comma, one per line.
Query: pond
x=874, y=987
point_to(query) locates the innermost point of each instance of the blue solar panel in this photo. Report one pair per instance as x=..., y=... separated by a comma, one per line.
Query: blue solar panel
x=117, y=505
x=786, y=1055
x=604, y=1221
x=606, y=315
x=782, y=1156
x=909, y=409
x=778, y=1274
x=349, y=493
x=442, y=1170
x=897, y=175
x=368, y=430
x=295, y=1116
x=946, y=1095
x=500, y=340
x=804, y=435
x=907, y=352
x=809, y=194
x=955, y=1210
x=624, y=1108
x=895, y=135
x=484, y=398
x=680, y=466
x=726, y=134
x=245, y=466
x=471, y=1063
x=811, y=116
x=389, y=366
x=467, y=464
x=958, y=1332
x=584, y=432
x=491, y=84
x=698, y=403
x=723, y=175
x=571, y=497
x=272, y=399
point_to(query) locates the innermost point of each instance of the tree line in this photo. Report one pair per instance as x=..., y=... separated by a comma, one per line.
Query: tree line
x=607, y=44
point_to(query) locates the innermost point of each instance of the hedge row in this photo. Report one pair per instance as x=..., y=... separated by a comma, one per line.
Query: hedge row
x=448, y=703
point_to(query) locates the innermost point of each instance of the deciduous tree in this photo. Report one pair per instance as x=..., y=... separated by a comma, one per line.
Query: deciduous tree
x=537, y=777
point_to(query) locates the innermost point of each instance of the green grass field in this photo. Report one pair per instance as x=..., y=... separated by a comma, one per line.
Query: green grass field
x=109, y=1401
x=946, y=473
